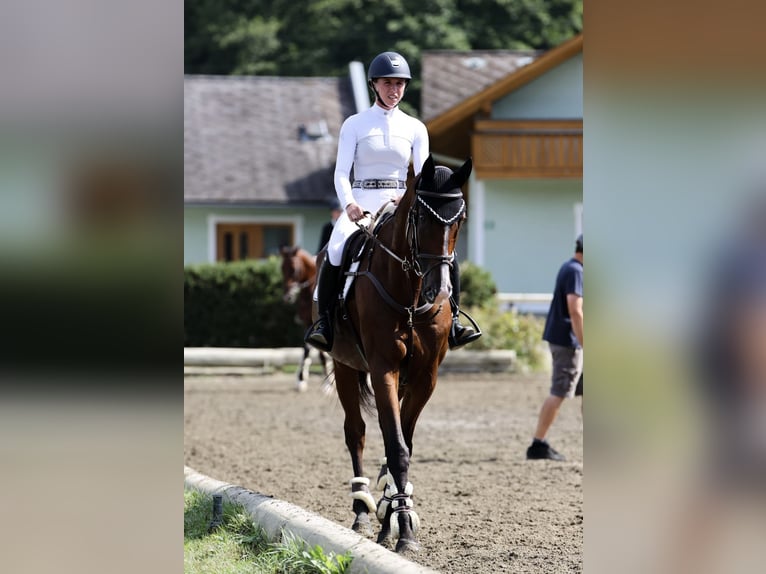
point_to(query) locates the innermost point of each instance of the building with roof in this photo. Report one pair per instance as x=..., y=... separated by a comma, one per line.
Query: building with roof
x=259, y=157
x=519, y=116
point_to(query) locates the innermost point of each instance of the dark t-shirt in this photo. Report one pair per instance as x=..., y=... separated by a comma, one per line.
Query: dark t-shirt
x=558, y=325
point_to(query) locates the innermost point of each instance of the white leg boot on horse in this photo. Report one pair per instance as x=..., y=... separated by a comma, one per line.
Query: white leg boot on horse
x=363, y=505
x=302, y=384
x=399, y=521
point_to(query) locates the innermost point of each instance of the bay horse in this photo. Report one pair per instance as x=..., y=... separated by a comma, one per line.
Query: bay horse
x=393, y=324
x=299, y=275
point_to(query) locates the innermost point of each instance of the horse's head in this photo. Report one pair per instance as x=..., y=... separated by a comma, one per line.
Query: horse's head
x=435, y=216
x=296, y=274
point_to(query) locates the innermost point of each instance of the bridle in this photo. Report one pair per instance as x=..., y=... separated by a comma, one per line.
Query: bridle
x=412, y=261
x=412, y=235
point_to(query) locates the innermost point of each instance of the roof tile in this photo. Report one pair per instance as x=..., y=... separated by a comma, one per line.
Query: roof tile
x=242, y=139
x=451, y=76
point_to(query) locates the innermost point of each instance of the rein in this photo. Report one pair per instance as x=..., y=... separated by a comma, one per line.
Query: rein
x=412, y=264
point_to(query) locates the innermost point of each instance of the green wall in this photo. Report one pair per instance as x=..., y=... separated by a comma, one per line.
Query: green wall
x=530, y=230
x=554, y=95
x=196, y=222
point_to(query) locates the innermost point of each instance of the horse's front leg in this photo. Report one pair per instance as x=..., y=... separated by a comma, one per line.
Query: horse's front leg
x=347, y=382
x=303, y=371
x=328, y=383
x=395, y=508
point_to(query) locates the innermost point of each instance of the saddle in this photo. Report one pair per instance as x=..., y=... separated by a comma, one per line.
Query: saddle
x=356, y=245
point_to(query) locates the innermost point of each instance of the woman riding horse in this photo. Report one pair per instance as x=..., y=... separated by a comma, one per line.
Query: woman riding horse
x=379, y=143
x=394, y=323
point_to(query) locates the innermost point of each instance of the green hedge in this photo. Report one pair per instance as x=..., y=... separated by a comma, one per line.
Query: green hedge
x=510, y=330
x=507, y=330
x=477, y=288
x=238, y=305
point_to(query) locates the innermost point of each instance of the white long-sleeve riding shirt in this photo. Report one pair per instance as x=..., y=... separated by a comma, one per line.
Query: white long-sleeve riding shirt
x=378, y=144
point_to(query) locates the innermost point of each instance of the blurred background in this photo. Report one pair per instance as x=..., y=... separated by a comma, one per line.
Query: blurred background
x=675, y=189
x=91, y=151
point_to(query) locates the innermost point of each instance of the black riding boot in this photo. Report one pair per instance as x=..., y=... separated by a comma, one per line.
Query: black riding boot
x=459, y=335
x=320, y=333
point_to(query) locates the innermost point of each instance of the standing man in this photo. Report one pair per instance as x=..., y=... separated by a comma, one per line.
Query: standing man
x=564, y=333
x=335, y=212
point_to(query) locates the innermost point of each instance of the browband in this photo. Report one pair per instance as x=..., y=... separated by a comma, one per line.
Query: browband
x=455, y=194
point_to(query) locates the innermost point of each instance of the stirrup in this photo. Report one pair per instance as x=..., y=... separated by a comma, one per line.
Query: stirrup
x=467, y=334
x=319, y=335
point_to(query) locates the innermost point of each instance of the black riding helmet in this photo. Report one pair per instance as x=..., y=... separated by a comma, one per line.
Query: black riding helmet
x=387, y=65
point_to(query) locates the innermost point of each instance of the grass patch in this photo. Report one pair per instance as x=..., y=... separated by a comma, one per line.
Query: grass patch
x=239, y=546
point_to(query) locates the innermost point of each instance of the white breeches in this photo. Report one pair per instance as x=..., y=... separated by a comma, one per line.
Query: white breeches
x=369, y=200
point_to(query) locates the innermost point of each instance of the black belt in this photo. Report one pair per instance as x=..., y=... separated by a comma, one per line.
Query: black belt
x=380, y=184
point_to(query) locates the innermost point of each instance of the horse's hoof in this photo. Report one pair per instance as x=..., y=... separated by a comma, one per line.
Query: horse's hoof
x=385, y=539
x=407, y=547
x=363, y=527
x=301, y=386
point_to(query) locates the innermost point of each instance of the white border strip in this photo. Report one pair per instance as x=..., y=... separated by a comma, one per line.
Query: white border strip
x=275, y=515
x=495, y=361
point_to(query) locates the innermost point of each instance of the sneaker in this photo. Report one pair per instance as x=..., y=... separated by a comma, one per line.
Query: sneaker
x=540, y=449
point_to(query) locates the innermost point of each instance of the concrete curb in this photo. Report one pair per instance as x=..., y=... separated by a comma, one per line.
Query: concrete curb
x=275, y=516
x=461, y=361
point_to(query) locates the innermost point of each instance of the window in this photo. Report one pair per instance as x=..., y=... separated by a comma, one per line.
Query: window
x=238, y=241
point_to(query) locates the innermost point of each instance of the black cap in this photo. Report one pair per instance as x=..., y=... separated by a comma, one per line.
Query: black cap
x=578, y=244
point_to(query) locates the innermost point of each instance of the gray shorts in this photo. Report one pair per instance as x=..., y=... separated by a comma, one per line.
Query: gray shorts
x=567, y=378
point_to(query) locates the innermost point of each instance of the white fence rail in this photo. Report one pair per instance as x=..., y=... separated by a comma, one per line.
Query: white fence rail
x=536, y=303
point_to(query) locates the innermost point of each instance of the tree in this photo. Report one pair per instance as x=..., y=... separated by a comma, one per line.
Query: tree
x=320, y=37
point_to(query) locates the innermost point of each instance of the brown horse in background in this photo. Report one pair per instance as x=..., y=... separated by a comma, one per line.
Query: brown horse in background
x=393, y=324
x=299, y=275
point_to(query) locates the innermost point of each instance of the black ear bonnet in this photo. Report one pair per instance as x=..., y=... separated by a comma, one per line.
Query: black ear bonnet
x=441, y=196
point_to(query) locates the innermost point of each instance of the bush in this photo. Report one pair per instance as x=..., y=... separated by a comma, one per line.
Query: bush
x=501, y=330
x=509, y=330
x=477, y=288
x=238, y=304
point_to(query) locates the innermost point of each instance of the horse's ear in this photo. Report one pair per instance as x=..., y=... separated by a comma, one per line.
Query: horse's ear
x=459, y=177
x=427, y=173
